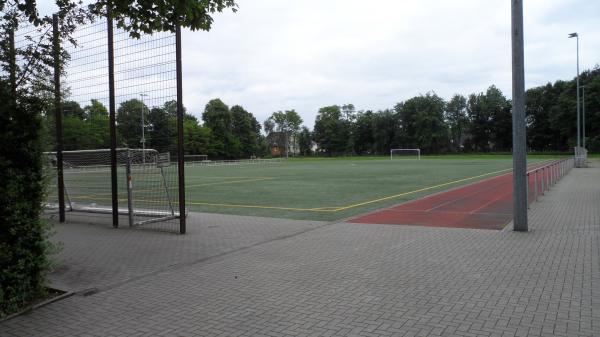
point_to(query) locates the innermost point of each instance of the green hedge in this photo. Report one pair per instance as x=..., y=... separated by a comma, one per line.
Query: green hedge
x=23, y=234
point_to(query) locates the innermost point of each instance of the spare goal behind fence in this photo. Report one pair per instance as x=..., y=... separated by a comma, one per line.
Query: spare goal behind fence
x=148, y=182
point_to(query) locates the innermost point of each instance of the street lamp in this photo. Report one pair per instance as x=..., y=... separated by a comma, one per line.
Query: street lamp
x=143, y=140
x=575, y=35
x=583, y=113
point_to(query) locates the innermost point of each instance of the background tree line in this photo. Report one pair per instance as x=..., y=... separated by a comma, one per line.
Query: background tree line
x=479, y=122
x=223, y=133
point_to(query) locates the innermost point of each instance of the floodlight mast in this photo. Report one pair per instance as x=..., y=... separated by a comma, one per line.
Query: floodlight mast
x=576, y=36
x=583, y=115
x=518, y=119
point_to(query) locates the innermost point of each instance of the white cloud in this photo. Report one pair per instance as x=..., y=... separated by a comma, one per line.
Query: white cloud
x=304, y=54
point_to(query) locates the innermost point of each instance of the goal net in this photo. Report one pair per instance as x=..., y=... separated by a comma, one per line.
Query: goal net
x=147, y=183
x=405, y=154
x=193, y=159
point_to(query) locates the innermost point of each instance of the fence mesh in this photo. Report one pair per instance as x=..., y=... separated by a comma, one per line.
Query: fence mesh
x=146, y=114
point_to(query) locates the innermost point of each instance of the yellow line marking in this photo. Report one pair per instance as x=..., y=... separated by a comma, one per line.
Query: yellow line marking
x=222, y=177
x=230, y=182
x=333, y=208
x=142, y=201
x=259, y=207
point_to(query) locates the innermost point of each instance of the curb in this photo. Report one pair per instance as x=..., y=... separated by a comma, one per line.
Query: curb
x=37, y=306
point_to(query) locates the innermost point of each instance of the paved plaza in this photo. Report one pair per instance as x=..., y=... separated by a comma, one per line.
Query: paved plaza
x=244, y=276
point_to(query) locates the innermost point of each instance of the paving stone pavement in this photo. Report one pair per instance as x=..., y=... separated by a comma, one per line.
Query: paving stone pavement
x=367, y=280
x=94, y=256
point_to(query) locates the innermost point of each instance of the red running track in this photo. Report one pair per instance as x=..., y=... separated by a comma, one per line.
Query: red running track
x=487, y=204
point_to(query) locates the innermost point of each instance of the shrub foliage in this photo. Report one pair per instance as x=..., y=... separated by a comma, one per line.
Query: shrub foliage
x=23, y=233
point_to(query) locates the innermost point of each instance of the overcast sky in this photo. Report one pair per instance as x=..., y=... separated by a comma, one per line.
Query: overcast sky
x=305, y=54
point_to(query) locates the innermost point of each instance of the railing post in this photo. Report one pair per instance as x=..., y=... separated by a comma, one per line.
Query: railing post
x=542, y=181
x=535, y=187
x=527, y=188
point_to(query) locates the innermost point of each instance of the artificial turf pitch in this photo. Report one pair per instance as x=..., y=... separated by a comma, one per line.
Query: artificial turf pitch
x=332, y=189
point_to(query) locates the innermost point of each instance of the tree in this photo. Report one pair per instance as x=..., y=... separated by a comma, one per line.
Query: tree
x=197, y=139
x=422, y=123
x=152, y=16
x=479, y=123
x=386, y=130
x=499, y=108
x=332, y=131
x=247, y=130
x=71, y=108
x=129, y=122
x=219, y=119
x=305, y=141
x=456, y=118
x=161, y=130
x=97, y=123
x=363, y=133
x=287, y=123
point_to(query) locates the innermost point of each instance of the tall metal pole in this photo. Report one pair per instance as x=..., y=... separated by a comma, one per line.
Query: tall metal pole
x=583, y=114
x=578, y=107
x=58, y=119
x=518, y=119
x=112, y=119
x=180, y=153
x=143, y=140
x=576, y=35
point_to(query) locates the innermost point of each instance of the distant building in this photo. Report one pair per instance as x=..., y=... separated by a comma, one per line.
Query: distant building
x=277, y=143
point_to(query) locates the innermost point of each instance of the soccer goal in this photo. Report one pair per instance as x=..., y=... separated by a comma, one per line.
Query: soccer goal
x=405, y=154
x=146, y=190
x=195, y=159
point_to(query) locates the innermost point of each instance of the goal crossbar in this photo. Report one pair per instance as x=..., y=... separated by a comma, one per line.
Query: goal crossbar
x=417, y=152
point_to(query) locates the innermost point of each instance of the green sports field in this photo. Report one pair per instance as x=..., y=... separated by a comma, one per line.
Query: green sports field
x=311, y=189
x=331, y=189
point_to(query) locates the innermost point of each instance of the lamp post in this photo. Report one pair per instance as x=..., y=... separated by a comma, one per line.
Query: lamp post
x=583, y=114
x=518, y=119
x=575, y=35
x=143, y=140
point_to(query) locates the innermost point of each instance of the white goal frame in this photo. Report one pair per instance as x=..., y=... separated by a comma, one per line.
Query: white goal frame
x=191, y=159
x=418, y=152
x=130, y=163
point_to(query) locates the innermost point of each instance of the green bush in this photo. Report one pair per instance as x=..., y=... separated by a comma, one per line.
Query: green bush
x=23, y=233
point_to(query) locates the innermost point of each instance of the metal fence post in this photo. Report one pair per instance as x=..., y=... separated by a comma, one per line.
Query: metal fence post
x=180, y=150
x=535, y=185
x=112, y=119
x=129, y=186
x=58, y=118
x=542, y=181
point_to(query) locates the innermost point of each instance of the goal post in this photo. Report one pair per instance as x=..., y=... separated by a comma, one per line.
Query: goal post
x=191, y=159
x=405, y=154
x=147, y=180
